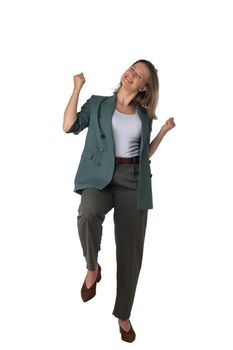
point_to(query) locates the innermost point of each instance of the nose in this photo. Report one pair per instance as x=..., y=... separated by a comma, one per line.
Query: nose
x=131, y=74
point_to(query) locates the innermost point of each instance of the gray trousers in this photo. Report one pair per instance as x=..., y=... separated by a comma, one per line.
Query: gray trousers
x=130, y=227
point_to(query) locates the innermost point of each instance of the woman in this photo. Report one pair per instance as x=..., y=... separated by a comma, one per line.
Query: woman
x=114, y=172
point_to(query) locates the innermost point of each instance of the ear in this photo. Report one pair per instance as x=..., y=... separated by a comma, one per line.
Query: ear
x=144, y=89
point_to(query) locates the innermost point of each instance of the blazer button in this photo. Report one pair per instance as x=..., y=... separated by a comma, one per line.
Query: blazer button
x=101, y=149
x=103, y=136
x=149, y=161
x=150, y=175
x=97, y=163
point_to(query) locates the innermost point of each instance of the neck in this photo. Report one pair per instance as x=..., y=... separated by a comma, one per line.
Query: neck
x=125, y=97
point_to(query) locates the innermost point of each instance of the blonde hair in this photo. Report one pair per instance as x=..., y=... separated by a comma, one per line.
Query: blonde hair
x=147, y=100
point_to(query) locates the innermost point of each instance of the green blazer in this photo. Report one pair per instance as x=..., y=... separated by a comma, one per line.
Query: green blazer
x=97, y=161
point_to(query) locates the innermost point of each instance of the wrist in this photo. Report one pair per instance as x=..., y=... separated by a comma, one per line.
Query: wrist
x=76, y=91
x=162, y=132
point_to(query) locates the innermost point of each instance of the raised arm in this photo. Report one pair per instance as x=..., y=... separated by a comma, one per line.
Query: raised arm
x=70, y=114
x=169, y=124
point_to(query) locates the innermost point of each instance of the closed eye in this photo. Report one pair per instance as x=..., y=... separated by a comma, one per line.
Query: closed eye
x=139, y=76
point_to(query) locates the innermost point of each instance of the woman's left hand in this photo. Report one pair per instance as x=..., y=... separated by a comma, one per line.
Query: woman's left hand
x=169, y=124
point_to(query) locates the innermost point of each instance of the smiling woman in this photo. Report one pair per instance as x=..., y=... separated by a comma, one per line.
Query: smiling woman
x=114, y=172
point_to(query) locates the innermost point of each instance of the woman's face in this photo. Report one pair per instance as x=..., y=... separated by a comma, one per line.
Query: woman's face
x=135, y=77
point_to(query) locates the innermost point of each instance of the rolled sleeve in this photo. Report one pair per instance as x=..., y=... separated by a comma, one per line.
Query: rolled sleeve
x=83, y=118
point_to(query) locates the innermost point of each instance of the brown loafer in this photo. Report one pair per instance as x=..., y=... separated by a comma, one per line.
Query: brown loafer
x=89, y=293
x=128, y=336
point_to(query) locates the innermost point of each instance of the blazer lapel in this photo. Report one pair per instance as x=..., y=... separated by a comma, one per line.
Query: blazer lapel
x=106, y=112
x=144, y=119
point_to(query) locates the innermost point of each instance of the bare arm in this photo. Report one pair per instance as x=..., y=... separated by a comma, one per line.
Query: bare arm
x=157, y=140
x=70, y=114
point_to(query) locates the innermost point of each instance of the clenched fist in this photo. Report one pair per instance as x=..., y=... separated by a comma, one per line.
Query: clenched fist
x=169, y=124
x=79, y=80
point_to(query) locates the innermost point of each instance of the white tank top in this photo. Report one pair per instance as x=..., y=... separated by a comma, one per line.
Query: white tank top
x=126, y=133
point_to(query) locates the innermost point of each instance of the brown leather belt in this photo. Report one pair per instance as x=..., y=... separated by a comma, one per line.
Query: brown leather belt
x=120, y=160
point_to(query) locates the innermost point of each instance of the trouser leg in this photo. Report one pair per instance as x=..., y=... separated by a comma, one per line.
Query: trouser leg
x=94, y=205
x=130, y=227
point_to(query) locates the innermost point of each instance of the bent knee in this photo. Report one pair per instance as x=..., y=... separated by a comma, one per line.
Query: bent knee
x=90, y=214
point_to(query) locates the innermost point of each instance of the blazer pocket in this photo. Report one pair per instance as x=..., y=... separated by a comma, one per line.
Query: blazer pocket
x=87, y=154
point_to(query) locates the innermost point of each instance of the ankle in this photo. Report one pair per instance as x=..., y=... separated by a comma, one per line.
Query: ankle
x=95, y=270
x=123, y=321
x=92, y=272
x=124, y=324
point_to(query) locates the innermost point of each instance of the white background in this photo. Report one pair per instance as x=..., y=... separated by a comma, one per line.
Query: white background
x=184, y=295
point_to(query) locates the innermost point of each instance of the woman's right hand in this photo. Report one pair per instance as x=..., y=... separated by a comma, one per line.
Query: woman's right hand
x=79, y=80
